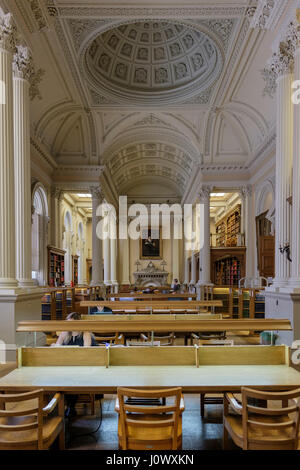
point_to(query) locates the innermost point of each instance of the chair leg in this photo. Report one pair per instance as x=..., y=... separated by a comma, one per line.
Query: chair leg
x=61, y=413
x=93, y=405
x=225, y=438
x=202, y=399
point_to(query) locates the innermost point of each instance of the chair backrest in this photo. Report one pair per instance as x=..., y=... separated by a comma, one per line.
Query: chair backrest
x=274, y=427
x=35, y=414
x=165, y=417
x=216, y=342
x=113, y=338
x=164, y=340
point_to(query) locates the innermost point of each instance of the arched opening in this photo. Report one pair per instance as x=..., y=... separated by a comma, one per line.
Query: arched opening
x=39, y=233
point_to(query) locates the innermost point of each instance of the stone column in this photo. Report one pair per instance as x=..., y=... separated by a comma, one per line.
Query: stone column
x=247, y=225
x=106, y=256
x=113, y=261
x=97, y=262
x=185, y=259
x=284, y=155
x=193, y=258
x=204, y=258
x=294, y=281
x=22, y=67
x=124, y=253
x=175, y=257
x=7, y=186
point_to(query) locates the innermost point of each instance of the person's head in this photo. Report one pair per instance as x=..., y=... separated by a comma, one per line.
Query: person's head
x=176, y=281
x=73, y=316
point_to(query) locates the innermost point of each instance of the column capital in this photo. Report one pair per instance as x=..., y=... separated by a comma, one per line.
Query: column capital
x=96, y=192
x=57, y=193
x=7, y=32
x=245, y=191
x=204, y=192
x=23, y=63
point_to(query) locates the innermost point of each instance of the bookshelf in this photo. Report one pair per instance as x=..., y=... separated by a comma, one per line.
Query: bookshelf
x=56, y=266
x=228, y=228
x=75, y=269
x=227, y=265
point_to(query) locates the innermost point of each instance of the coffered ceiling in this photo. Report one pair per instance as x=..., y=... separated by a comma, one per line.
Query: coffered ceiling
x=157, y=92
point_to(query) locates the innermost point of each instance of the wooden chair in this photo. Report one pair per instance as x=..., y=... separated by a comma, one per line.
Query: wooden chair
x=30, y=427
x=253, y=427
x=211, y=400
x=167, y=340
x=144, y=426
x=114, y=338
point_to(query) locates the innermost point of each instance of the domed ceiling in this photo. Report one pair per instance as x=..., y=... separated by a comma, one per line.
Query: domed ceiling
x=153, y=60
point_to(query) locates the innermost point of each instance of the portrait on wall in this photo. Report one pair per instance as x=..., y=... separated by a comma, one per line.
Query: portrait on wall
x=151, y=246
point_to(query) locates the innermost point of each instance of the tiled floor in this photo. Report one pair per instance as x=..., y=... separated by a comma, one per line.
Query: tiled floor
x=197, y=434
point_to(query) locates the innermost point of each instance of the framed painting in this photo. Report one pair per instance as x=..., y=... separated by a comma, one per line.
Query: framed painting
x=151, y=247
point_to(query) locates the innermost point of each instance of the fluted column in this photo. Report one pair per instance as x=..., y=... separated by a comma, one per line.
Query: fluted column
x=204, y=259
x=295, y=247
x=106, y=256
x=175, y=255
x=113, y=261
x=284, y=155
x=247, y=228
x=186, y=244
x=124, y=260
x=97, y=262
x=22, y=67
x=193, y=258
x=7, y=187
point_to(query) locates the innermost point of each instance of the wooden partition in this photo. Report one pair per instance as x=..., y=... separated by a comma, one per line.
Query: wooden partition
x=196, y=369
x=152, y=305
x=157, y=296
x=154, y=356
x=152, y=323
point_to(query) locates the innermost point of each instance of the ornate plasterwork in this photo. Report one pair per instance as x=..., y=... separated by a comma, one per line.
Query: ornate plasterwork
x=23, y=67
x=82, y=28
x=23, y=63
x=142, y=13
x=7, y=32
x=204, y=193
x=282, y=61
x=151, y=56
x=97, y=193
x=150, y=160
x=268, y=13
x=154, y=60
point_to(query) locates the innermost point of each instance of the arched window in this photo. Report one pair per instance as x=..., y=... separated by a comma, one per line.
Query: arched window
x=39, y=232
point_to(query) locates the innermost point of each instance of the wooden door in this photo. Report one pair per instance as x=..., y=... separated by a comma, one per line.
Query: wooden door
x=265, y=247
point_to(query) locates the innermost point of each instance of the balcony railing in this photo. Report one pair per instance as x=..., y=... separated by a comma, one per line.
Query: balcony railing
x=226, y=240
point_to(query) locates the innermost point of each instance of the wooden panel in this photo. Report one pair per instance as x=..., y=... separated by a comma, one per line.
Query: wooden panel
x=179, y=305
x=151, y=324
x=63, y=356
x=158, y=296
x=151, y=356
x=238, y=355
x=160, y=317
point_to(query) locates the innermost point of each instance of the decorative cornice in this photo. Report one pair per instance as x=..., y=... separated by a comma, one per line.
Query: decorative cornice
x=150, y=13
x=268, y=13
x=7, y=32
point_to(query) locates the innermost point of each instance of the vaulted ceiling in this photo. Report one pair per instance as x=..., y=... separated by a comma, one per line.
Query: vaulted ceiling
x=153, y=94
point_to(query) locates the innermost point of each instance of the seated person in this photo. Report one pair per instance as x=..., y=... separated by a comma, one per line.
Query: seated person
x=175, y=286
x=75, y=338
